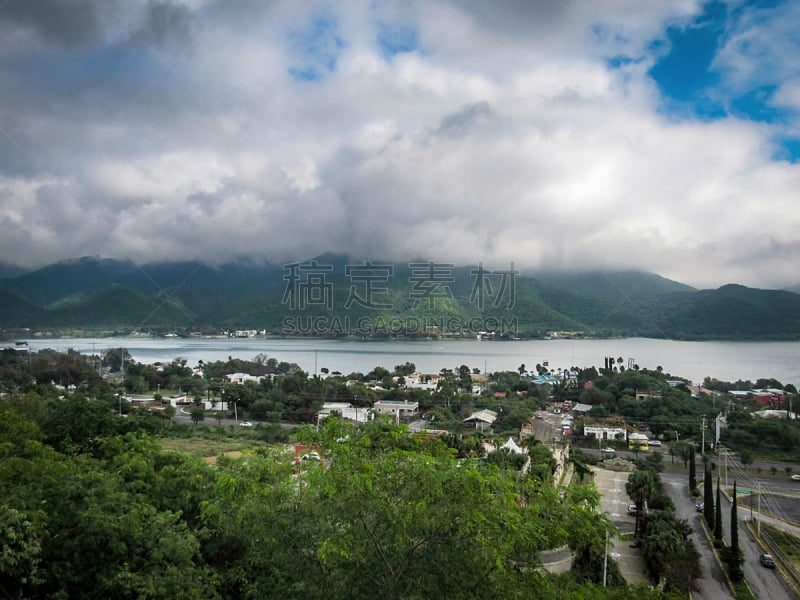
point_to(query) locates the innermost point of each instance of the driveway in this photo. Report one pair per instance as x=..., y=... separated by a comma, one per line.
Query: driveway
x=614, y=502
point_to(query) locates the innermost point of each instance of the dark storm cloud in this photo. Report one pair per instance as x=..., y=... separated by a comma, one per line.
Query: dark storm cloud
x=518, y=17
x=166, y=23
x=67, y=23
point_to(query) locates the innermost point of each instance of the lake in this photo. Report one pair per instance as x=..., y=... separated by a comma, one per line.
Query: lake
x=727, y=361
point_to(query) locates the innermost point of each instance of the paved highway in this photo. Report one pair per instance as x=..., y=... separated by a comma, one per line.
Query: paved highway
x=712, y=585
x=767, y=584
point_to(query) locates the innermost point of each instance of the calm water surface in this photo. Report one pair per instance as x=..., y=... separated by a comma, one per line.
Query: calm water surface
x=728, y=361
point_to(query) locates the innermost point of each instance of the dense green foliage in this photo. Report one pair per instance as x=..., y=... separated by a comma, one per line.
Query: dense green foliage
x=668, y=552
x=94, y=508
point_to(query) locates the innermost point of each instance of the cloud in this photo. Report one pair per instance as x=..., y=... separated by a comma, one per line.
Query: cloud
x=532, y=133
x=70, y=24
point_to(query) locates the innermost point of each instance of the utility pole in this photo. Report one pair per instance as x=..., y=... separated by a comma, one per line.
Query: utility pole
x=758, y=523
x=725, y=455
x=703, y=438
x=605, y=562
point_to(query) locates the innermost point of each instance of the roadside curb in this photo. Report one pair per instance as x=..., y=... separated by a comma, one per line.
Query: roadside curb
x=709, y=537
x=788, y=576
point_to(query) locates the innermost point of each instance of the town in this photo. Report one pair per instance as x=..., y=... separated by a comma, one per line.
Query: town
x=628, y=454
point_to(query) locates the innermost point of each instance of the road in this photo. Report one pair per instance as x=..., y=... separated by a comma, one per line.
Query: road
x=767, y=584
x=712, y=585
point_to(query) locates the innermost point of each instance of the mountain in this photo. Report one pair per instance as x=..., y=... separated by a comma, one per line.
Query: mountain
x=101, y=294
x=621, y=287
x=53, y=282
x=116, y=307
x=729, y=312
x=9, y=271
x=16, y=312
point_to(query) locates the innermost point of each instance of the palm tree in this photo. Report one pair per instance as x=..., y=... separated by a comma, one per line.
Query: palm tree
x=641, y=487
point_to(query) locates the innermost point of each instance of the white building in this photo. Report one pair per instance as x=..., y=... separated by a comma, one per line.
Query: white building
x=605, y=432
x=241, y=378
x=345, y=410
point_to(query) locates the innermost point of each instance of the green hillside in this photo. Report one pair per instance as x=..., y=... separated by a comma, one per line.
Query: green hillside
x=117, y=307
x=625, y=288
x=189, y=296
x=16, y=312
x=730, y=312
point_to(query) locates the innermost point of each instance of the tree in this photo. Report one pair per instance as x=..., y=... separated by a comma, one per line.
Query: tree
x=746, y=458
x=734, y=555
x=197, y=413
x=708, y=498
x=169, y=411
x=692, y=471
x=641, y=486
x=718, y=518
x=20, y=560
x=116, y=358
x=386, y=518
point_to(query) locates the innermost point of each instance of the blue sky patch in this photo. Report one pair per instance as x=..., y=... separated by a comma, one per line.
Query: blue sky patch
x=692, y=89
x=396, y=39
x=317, y=49
x=683, y=75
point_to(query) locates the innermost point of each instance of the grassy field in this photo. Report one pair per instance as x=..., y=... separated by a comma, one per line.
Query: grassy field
x=211, y=444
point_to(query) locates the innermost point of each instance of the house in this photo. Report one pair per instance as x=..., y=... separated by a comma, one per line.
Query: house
x=481, y=418
x=399, y=410
x=766, y=397
x=241, y=378
x=344, y=410
x=646, y=394
x=581, y=408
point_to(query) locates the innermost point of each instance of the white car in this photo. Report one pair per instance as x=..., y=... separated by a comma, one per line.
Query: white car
x=654, y=443
x=245, y=424
x=795, y=477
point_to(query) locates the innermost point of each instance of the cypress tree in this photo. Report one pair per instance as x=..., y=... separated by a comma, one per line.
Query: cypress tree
x=718, y=519
x=708, y=498
x=692, y=471
x=735, y=561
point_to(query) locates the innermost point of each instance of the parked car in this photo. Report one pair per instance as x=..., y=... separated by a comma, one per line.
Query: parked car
x=700, y=506
x=654, y=443
x=607, y=450
x=632, y=509
x=766, y=560
x=795, y=477
x=245, y=424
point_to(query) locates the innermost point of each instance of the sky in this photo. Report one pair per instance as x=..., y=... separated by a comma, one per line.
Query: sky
x=557, y=134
